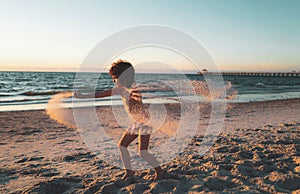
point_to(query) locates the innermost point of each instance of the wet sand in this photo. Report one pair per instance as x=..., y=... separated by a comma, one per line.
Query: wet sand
x=257, y=151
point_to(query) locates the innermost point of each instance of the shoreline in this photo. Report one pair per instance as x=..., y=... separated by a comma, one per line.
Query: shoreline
x=257, y=151
x=108, y=105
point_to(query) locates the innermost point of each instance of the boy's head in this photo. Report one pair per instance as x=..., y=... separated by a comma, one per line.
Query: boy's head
x=122, y=71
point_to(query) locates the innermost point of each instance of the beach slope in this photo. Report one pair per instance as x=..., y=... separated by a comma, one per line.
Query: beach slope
x=258, y=150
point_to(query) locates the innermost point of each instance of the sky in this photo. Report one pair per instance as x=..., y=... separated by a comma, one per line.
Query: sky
x=240, y=35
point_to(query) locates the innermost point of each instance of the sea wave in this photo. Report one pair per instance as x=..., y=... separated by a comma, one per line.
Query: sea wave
x=6, y=102
x=7, y=94
x=31, y=93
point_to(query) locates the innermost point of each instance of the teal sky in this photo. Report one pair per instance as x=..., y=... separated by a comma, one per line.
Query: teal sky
x=241, y=35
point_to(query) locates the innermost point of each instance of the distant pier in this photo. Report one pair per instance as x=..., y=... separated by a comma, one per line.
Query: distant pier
x=256, y=74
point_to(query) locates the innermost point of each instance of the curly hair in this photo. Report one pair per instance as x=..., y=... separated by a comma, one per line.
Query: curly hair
x=124, y=71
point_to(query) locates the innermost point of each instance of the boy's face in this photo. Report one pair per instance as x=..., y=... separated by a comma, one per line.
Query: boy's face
x=115, y=80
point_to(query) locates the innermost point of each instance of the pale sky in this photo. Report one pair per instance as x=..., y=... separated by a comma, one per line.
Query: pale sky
x=241, y=35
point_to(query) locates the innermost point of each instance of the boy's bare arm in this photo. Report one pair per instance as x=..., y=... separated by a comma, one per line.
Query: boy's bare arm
x=97, y=94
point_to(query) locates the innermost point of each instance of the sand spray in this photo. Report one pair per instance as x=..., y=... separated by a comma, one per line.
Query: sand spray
x=64, y=116
x=58, y=113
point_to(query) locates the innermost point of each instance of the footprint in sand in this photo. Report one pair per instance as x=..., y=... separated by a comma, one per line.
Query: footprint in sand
x=59, y=185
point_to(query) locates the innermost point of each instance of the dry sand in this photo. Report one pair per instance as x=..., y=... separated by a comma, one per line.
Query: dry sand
x=257, y=151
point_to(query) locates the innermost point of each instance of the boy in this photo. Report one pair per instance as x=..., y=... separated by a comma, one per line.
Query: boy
x=122, y=73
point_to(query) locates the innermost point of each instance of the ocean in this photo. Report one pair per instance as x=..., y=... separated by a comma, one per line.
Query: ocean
x=32, y=90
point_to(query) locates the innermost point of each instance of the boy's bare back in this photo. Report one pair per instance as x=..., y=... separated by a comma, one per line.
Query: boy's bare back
x=133, y=104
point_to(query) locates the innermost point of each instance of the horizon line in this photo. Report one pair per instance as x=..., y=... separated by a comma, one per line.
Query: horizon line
x=148, y=72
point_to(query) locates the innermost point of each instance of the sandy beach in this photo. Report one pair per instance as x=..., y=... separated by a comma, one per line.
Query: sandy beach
x=258, y=151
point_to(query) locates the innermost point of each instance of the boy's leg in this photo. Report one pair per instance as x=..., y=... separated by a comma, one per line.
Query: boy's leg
x=124, y=142
x=143, y=152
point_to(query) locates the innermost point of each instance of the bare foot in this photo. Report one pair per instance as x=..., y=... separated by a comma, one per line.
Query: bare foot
x=128, y=173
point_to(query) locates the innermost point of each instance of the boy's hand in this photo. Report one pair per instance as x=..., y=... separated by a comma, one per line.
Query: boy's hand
x=78, y=94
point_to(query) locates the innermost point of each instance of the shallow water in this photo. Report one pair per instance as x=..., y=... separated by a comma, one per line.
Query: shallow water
x=32, y=90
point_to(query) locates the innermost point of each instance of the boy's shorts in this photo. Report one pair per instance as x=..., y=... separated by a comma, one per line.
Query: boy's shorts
x=139, y=128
